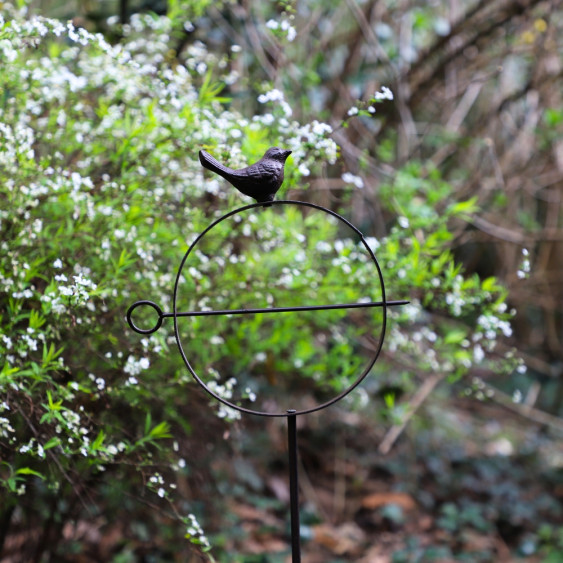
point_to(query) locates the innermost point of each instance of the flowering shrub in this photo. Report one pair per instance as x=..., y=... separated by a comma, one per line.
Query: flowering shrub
x=101, y=186
x=101, y=193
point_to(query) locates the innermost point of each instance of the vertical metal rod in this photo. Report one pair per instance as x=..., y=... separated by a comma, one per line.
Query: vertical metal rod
x=293, y=486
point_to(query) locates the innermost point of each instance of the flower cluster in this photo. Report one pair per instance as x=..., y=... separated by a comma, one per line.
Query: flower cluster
x=368, y=108
x=194, y=531
x=384, y=94
x=350, y=178
x=276, y=95
x=309, y=142
x=134, y=367
x=6, y=428
x=284, y=26
x=225, y=391
x=525, y=266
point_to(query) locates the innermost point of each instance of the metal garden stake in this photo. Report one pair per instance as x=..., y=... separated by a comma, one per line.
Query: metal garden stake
x=289, y=413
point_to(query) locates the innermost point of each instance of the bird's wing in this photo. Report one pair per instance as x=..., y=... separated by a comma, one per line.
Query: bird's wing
x=258, y=173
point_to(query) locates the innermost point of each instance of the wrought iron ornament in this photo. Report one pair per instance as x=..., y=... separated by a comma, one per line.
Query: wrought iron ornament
x=259, y=181
x=265, y=196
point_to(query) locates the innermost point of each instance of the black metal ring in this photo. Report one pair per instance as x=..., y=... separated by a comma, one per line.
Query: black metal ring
x=177, y=313
x=142, y=330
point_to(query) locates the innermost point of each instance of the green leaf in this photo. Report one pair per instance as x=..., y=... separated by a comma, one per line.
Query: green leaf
x=36, y=320
x=53, y=406
x=50, y=354
x=148, y=423
x=7, y=371
x=97, y=443
x=553, y=116
x=52, y=443
x=160, y=431
x=209, y=90
x=29, y=471
x=489, y=284
x=464, y=208
x=389, y=399
x=455, y=336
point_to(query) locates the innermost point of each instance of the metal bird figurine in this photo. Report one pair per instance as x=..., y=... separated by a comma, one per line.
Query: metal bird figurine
x=260, y=181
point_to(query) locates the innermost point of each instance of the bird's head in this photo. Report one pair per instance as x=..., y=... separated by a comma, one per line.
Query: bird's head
x=278, y=154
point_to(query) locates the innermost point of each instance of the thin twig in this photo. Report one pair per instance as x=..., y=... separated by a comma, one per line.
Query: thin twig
x=414, y=404
x=525, y=411
x=499, y=232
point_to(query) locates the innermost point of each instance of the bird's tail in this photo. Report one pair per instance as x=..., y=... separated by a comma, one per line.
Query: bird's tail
x=207, y=161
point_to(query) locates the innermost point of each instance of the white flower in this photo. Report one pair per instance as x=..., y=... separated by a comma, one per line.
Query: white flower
x=271, y=96
x=58, y=263
x=323, y=246
x=276, y=95
x=442, y=27
x=353, y=111
x=134, y=367
x=289, y=29
x=506, y=328
x=9, y=52
x=284, y=26
x=373, y=243
x=517, y=396
x=57, y=306
x=320, y=128
x=385, y=94
x=478, y=354
x=350, y=178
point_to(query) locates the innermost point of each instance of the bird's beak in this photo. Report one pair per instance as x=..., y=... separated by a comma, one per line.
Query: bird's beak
x=287, y=153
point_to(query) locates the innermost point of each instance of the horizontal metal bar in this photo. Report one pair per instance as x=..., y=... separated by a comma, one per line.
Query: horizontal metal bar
x=286, y=309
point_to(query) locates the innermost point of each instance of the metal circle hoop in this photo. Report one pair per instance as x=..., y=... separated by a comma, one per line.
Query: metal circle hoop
x=176, y=313
x=145, y=330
